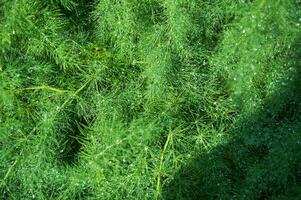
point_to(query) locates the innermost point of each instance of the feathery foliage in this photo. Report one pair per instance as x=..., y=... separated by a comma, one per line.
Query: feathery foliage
x=150, y=99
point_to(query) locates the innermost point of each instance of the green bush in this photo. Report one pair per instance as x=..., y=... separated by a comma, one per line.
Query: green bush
x=150, y=99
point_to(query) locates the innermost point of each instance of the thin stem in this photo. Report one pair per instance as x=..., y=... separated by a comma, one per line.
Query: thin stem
x=8, y=172
x=158, y=188
x=45, y=87
x=74, y=94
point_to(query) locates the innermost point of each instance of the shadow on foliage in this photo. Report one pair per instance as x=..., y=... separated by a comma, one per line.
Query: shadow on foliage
x=72, y=137
x=262, y=158
x=79, y=16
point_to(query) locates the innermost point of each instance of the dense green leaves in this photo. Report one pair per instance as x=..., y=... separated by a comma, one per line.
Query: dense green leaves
x=150, y=99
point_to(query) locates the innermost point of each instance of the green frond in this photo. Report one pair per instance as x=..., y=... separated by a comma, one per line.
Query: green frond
x=150, y=99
